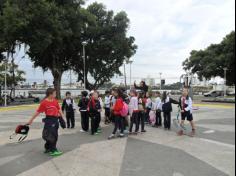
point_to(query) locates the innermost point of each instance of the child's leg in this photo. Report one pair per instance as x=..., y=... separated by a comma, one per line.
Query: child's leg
x=165, y=120
x=68, y=119
x=72, y=120
x=116, y=125
x=131, y=124
x=122, y=124
x=86, y=121
x=143, y=121
x=93, y=125
x=169, y=120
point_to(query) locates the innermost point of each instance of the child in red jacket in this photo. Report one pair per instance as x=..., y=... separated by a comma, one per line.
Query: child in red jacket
x=119, y=120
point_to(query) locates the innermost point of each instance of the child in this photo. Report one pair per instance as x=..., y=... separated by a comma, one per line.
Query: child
x=107, y=106
x=119, y=120
x=148, y=105
x=94, y=109
x=83, y=108
x=133, y=111
x=52, y=110
x=141, y=116
x=158, y=108
x=68, y=106
x=167, y=109
x=186, y=103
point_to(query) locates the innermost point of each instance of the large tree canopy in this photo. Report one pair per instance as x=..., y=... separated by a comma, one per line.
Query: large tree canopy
x=53, y=31
x=108, y=46
x=211, y=62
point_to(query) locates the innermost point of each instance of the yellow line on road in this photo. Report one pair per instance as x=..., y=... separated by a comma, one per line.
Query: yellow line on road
x=215, y=106
x=18, y=108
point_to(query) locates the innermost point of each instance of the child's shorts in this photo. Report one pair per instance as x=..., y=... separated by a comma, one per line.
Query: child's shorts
x=187, y=116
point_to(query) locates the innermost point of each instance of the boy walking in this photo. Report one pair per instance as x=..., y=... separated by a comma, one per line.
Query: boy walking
x=69, y=107
x=158, y=108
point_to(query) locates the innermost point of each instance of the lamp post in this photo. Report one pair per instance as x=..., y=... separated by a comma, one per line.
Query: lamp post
x=225, y=81
x=5, y=96
x=84, y=59
x=160, y=81
x=125, y=75
x=130, y=62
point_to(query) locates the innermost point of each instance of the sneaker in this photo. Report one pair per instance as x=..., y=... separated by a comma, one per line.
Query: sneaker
x=143, y=131
x=97, y=133
x=56, y=153
x=121, y=135
x=82, y=131
x=112, y=136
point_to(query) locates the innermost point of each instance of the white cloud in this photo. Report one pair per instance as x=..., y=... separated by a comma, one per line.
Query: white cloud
x=166, y=31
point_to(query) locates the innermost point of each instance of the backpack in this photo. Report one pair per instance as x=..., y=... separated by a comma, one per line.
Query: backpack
x=125, y=110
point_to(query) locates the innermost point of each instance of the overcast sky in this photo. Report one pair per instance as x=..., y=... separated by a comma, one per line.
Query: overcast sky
x=166, y=31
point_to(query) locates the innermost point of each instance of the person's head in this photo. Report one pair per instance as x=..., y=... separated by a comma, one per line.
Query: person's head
x=84, y=94
x=51, y=93
x=185, y=92
x=107, y=93
x=68, y=95
x=142, y=83
x=164, y=96
x=118, y=93
x=158, y=94
x=133, y=93
x=95, y=95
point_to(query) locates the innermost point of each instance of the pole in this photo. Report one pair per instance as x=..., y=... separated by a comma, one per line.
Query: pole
x=84, y=57
x=130, y=75
x=125, y=77
x=160, y=82
x=5, y=97
x=225, y=82
x=70, y=79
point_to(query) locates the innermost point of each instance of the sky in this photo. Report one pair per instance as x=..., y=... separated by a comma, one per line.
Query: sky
x=166, y=31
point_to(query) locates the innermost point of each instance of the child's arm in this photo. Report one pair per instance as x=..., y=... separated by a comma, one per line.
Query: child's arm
x=33, y=118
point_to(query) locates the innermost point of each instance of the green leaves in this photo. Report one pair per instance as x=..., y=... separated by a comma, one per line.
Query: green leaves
x=211, y=62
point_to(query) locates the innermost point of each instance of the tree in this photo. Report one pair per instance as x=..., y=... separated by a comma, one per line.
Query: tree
x=211, y=62
x=14, y=75
x=107, y=46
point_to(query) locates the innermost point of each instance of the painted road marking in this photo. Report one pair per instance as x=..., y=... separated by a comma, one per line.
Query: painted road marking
x=209, y=132
x=215, y=106
x=16, y=108
x=218, y=143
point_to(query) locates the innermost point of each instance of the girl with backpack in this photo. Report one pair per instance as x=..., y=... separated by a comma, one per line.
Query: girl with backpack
x=118, y=119
x=83, y=108
x=167, y=109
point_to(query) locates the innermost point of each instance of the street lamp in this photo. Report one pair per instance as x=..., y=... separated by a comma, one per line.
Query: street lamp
x=225, y=81
x=84, y=59
x=5, y=75
x=130, y=62
x=160, y=81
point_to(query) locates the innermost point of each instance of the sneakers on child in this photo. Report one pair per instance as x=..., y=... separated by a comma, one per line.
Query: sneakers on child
x=55, y=153
x=112, y=136
x=82, y=131
x=121, y=135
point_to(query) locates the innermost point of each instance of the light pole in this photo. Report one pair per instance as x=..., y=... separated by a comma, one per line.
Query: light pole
x=5, y=96
x=160, y=81
x=130, y=62
x=225, y=81
x=84, y=59
x=125, y=76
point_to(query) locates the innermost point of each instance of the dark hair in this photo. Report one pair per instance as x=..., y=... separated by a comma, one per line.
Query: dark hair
x=84, y=93
x=158, y=93
x=68, y=93
x=164, y=96
x=107, y=92
x=119, y=92
x=50, y=91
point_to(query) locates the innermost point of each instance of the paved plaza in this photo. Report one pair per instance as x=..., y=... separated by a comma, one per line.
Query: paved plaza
x=156, y=153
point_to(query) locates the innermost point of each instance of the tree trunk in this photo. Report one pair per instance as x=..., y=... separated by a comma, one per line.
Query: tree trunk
x=57, y=76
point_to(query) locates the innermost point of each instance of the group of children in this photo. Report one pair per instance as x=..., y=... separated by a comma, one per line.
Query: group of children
x=140, y=109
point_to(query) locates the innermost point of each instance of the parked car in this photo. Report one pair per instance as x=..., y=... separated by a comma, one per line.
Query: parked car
x=214, y=93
